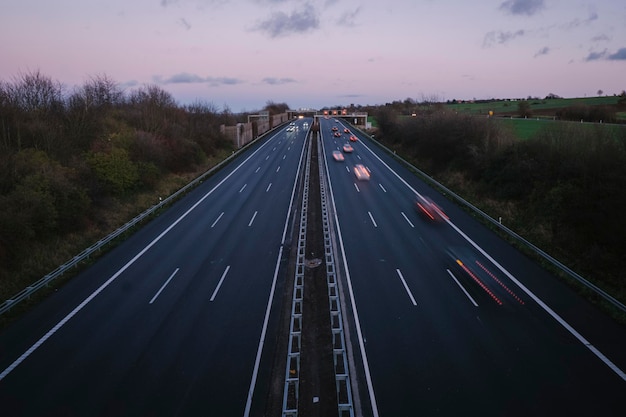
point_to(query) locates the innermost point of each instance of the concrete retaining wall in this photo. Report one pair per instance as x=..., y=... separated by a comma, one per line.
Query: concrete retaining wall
x=244, y=133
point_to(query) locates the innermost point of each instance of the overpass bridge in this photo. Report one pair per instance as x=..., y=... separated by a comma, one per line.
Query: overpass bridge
x=358, y=119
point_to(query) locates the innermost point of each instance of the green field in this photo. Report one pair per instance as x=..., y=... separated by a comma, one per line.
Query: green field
x=539, y=105
x=524, y=128
x=527, y=128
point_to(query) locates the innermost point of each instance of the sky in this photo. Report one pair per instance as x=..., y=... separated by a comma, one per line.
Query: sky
x=241, y=54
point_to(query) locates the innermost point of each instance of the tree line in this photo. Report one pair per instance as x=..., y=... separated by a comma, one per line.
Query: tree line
x=67, y=155
x=562, y=188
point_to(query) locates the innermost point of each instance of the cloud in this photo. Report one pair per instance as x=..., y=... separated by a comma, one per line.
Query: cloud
x=620, y=55
x=580, y=22
x=187, y=78
x=596, y=56
x=348, y=18
x=183, y=22
x=180, y=78
x=129, y=84
x=522, y=7
x=499, y=37
x=601, y=38
x=278, y=81
x=281, y=24
x=543, y=51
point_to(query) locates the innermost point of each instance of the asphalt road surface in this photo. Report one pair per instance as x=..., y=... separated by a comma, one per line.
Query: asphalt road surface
x=174, y=321
x=445, y=317
x=454, y=321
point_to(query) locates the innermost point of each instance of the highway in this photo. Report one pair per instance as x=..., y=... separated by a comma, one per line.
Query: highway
x=177, y=319
x=491, y=334
x=444, y=318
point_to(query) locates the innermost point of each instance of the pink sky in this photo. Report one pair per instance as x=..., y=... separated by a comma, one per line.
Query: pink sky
x=315, y=53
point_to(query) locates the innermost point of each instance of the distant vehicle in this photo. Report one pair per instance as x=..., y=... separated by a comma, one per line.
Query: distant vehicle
x=347, y=148
x=427, y=206
x=334, y=128
x=346, y=130
x=337, y=134
x=338, y=156
x=353, y=138
x=361, y=172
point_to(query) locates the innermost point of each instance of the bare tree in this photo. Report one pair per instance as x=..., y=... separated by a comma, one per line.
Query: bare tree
x=36, y=103
x=88, y=106
x=153, y=105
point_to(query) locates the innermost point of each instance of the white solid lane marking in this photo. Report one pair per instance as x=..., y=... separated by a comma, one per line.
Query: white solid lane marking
x=462, y=288
x=219, y=284
x=372, y=218
x=242, y=188
x=163, y=286
x=381, y=187
x=407, y=219
x=252, y=219
x=268, y=187
x=217, y=220
x=406, y=287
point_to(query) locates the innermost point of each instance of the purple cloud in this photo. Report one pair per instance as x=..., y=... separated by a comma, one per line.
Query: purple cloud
x=578, y=22
x=499, y=37
x=187, y=78
x=348, y=18
x=543, y=51
x=601, y=38
x=278, y=81
x=281, y=24
x=522, y=7
x=620, y=55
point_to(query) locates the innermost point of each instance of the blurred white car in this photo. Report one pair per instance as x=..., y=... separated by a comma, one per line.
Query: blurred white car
x=361, y=172
x=338, y=156
x=347, y=148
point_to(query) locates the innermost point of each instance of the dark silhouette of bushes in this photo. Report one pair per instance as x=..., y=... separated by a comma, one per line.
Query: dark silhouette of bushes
x=441, y=139
x=595, y=114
